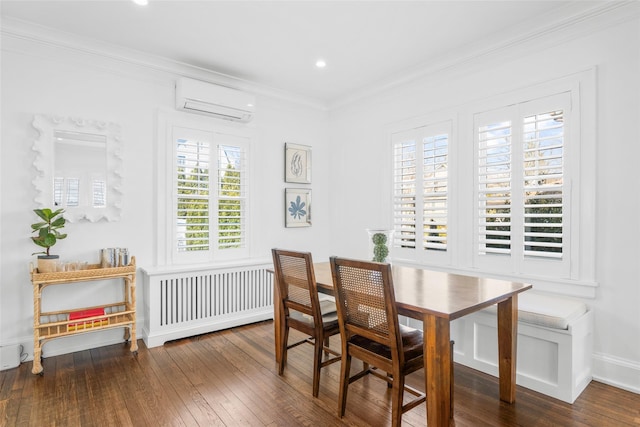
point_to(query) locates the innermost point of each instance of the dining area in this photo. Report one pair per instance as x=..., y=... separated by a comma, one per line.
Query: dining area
x=371, y=299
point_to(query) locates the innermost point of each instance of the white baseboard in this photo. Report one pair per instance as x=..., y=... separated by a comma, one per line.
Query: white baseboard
x=620, y=373
x=162, y=335
x=73, y=343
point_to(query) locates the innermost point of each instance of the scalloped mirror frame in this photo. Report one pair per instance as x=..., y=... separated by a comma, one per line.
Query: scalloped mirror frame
x=43, y=146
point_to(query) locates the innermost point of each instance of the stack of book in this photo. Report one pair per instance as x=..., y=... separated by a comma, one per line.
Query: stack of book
x=91, y=314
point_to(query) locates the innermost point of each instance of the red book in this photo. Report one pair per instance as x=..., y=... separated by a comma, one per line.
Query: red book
x=83, y=314
x=86, y=313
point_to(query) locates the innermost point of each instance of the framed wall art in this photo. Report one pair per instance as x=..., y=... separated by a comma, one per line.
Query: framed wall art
x=297, y=207
x=297, y=163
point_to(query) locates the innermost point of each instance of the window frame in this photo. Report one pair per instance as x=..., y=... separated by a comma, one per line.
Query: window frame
x=168, y=122
x=580, y=279
x=516, y=261
x=418, y=134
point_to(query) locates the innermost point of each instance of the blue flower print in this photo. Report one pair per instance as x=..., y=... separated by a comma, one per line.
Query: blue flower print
x=297, y=209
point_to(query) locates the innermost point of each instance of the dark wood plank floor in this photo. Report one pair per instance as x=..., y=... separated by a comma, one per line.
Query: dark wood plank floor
x=228, y=378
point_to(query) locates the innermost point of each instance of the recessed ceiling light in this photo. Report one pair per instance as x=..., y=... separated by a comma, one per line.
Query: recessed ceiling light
x=141, y=2
x=320, y=63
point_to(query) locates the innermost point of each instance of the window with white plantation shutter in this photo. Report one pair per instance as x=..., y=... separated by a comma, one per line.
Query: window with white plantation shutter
x=521, y=174
x=503, y=186
x=421, y=189
x=210, y=179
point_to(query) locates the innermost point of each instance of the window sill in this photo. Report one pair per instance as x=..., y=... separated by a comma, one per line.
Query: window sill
x=183, y=268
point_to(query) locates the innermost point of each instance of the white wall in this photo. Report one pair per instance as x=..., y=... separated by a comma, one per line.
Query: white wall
x=360, y=138
x=49, y=79
x=350, y=180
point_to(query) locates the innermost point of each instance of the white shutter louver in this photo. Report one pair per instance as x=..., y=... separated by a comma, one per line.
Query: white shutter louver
x=231, y=197
x=494, y=192
x=99, y=193
x=73, y=191
x=543, y=152
x=58, y=190
x=192, y=190
x=435, y=191
x=404, y=194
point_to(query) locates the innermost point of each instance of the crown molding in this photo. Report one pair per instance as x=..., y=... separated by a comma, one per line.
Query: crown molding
x=569, y=22
x=574, y=24
x=43, y=41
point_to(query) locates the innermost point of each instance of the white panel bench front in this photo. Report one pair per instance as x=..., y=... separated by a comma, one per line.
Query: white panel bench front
x=554, y=344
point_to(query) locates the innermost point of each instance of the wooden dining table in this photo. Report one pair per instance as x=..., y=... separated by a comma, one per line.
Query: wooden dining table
x=436, y=298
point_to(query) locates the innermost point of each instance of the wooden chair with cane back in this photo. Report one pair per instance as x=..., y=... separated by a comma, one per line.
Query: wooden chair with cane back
x=371, y=332
x=302, y=310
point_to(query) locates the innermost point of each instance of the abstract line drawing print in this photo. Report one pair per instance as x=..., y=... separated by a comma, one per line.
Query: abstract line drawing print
x=297, y=163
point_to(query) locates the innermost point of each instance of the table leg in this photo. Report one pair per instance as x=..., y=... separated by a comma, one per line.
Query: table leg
x=437, y=360
x=507, y=347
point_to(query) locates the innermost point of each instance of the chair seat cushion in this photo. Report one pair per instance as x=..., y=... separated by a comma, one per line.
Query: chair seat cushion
x=412, y=344
x=329, y=315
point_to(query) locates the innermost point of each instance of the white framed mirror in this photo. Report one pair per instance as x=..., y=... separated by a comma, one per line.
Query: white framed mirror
x=78, y=167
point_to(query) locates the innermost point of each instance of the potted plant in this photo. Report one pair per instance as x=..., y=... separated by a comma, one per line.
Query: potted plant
x=379, y=241
x=48, y=235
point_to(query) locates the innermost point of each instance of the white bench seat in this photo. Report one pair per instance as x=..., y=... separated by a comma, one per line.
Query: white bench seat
x=554, y=344
x=549, y=311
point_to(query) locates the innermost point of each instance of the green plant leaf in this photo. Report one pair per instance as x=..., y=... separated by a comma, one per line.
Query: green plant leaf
x=38, y=225
x=45, y=214
x=50, y=240
x=59, y=222
x=39, y=241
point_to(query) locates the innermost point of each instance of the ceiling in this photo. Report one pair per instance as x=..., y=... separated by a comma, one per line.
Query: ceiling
x=275, y=44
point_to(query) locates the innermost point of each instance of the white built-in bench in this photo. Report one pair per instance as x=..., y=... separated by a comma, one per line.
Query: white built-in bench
x=554, y=344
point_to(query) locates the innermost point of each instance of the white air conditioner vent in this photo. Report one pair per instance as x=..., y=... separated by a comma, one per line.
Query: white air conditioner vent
x=218, y=101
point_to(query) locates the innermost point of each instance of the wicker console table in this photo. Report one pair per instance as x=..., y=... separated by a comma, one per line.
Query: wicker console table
x=56, y=324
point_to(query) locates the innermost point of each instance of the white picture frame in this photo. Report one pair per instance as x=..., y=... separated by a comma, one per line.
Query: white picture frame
x=297, y=163
x=297, y=209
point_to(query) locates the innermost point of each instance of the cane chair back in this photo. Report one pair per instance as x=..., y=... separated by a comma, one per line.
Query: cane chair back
x=370, y=331
x=302, y=310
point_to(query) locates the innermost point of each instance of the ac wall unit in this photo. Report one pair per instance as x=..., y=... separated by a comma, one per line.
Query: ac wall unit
x=218, y=101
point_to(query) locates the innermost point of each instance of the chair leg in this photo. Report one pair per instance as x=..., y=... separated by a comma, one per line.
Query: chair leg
x=317, y=365
x=397, y=394
x=326, y=344
x=345, y=370
x=284, y=338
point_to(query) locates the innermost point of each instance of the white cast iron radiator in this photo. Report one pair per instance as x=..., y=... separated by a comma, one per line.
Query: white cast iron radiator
x=183, y=303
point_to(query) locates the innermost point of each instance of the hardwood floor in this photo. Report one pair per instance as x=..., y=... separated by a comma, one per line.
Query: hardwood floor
x=229, y=378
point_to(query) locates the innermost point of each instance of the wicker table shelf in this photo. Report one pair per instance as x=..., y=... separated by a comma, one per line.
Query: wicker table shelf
x=56, y=324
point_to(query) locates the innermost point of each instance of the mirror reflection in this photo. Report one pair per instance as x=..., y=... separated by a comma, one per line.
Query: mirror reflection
x=78, y=166
x=80, y=175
